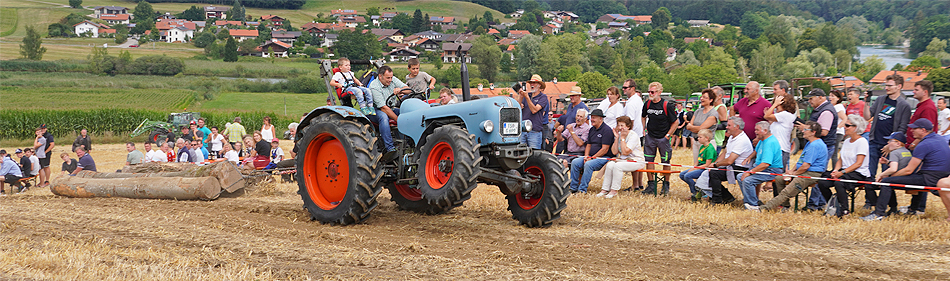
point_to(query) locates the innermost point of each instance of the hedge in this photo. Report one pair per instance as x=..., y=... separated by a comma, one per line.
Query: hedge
x=42, y=66
x=21, y=124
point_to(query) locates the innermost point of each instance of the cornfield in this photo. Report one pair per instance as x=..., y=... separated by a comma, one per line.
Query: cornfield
x=21, y=124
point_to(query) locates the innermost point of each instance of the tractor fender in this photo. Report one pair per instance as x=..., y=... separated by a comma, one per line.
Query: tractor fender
x=345, y=111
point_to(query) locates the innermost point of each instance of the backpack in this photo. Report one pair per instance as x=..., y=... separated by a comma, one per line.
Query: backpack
x=666, y=104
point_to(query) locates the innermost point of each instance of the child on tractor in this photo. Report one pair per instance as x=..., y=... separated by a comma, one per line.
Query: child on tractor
x=347, y=82
x=419, y=81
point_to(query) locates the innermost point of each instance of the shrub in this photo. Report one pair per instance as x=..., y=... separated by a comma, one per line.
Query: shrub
x=157, y=65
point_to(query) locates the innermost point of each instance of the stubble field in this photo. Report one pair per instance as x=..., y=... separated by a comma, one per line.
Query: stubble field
x=266, y=235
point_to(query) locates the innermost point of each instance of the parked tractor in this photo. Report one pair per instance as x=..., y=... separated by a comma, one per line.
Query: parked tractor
x=164, y=131
x=442, y=153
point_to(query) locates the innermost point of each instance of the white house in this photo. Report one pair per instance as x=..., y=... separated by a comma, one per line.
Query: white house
x=89, y=27
x=180, y=33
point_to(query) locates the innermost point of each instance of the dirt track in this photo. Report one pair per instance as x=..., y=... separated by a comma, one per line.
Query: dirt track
x=270, y=237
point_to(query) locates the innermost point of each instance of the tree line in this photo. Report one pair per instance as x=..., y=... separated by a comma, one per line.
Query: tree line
x=266, y=4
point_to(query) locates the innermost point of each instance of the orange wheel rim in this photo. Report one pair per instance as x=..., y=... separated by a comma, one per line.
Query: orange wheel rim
x=529, y=203
x=409, y=193
x=326, y=171
x=439, y=165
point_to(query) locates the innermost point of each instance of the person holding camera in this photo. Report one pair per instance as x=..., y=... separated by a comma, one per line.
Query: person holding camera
x=534, y=107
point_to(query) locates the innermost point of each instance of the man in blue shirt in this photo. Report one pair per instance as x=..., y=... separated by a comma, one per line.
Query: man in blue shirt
x=534, y=107
x=930, y=156
x=10, y=171
x=812, y=163
x=599, y=140
x=768, y=159
x=383, y=88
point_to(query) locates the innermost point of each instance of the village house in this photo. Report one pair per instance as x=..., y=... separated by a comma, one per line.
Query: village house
x=98, y=11
x=165, y=25
x=243, y=34
x=288, y=37
x=434, y=36
x=278, y=48
x=276, y=22
x=388, y=16
x=343, y=13
x=517, y=34
x=460, y=38
x=316, y=29
x=402, y=54
x=228, y=23
x=694, y=39
x=639, y=20
x=550, y=29
x=450, y=52
x=352, y=21
x=91, y=28
x=433, y=21
x=909, y=78
x=178, y=34
x=393, y=34
x=115, y=18
x=698, y=23
x=329, y=40
x=216, y=12
x=422, y=42
x=517, y=14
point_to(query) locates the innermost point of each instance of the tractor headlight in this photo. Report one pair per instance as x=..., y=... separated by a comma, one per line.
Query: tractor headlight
x=488, y=126
x=526, y=125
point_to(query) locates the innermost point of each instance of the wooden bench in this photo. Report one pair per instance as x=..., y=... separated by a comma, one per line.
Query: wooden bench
x=31, y=180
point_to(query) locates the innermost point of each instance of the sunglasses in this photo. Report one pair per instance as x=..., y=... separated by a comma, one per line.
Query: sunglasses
x=625, y=87
x=850, y=125
x=653, y=92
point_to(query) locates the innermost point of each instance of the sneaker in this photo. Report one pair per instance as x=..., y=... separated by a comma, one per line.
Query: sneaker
x=751, y=208
x=868, y=207
x=602, y=193
x=696, y=196
x=903, y=210
x=610, y=195
x=872, y=217
x=389, y=154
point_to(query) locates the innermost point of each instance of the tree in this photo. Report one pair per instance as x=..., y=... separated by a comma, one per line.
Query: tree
x=76, y=4
x=203, y=39
x=548, y=62
x=766, y=61
x=32, y=48
x=617, y=72
x=941, y=79
x=871, y=66
x=924, y=63
x=728, y=33
x=223, y=34
x=505, y=64
x=237, y=11
x=372, y=11
x=59, y=30
x=230, y=50
x=419, y=24
x=193, y=14
x=263, y=33
x=753, y=24
x=487, y=56
x=357, y=45
x=144, y=17
x=488, y=17
x=661, y=18
x=247, y=47
x=402, y=22
x=593, y=84
x=526, y=55
x=937, y=49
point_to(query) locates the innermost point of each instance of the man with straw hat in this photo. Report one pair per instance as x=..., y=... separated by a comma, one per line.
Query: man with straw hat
x=534, y=107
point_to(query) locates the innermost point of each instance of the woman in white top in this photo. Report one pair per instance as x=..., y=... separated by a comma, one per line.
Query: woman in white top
x=852, y=164
x=215, y=139
x=836, y=98
x=781, y=117
x=627, y=147
x=229, y=154
x=612, y=107
x=267, y=130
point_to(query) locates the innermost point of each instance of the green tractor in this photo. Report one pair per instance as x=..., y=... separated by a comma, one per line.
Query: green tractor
x=164, y=131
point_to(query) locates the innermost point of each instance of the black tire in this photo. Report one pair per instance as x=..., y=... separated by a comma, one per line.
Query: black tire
x=158, y=136
x=335, y=192
x=541, y=209
x=443, y=190
x=407, y=198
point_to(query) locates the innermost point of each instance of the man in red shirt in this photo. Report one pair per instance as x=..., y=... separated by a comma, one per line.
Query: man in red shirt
x=926, y=108
x=751, y=108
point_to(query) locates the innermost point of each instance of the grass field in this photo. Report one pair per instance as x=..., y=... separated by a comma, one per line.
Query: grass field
x=8, y=21
x=80, y=98
x=296, y=104
x=11, y=50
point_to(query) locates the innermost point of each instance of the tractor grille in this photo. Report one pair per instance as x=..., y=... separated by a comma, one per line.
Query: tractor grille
x=510, y=115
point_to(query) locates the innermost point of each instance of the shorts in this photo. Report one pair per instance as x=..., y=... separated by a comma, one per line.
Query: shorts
x=44, y=162
x=678, y=132
x=653, y=147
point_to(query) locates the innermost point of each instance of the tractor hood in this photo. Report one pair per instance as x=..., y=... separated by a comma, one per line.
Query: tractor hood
x=417, y=118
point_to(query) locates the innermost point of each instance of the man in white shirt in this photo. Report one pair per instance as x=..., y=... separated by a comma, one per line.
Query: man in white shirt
x=736, y=157
x=634, y=109
x=943, y=117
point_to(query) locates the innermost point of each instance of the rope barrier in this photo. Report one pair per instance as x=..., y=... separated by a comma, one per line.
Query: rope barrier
x=784, y=175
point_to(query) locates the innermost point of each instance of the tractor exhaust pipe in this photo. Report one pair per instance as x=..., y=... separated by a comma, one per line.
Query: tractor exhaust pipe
x=466, y=91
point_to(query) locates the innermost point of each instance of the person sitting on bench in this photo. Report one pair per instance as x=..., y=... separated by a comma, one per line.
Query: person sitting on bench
x=812, y=163
x=736, y=158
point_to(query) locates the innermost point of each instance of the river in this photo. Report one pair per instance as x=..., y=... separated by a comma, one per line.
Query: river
x=891, y=55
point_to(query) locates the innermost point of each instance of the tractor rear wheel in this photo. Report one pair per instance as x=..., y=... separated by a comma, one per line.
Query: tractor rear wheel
x=407, y=197
x=541, y=208
x=159, y=136
x=447, y=169
x=338, y=168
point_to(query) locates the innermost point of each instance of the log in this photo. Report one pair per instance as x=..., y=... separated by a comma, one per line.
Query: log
x=156, y=167
x=178, y=188
x=96, y=175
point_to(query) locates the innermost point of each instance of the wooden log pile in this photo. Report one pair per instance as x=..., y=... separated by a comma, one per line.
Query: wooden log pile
x=179, y=181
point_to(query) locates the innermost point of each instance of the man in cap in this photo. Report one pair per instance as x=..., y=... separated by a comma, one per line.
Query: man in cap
x=534, y=107
x=600, y=138
x=930, y=156
x=826, y=117
x=569, y=116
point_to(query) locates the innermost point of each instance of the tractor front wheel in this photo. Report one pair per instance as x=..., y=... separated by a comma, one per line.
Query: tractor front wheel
x=338, y=168
x=447, y=169
x=541, y=207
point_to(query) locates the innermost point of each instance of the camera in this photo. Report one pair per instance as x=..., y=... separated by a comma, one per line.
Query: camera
x=517, y=86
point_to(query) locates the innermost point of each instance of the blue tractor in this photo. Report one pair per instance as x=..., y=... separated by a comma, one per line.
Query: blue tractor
x=442, y=153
